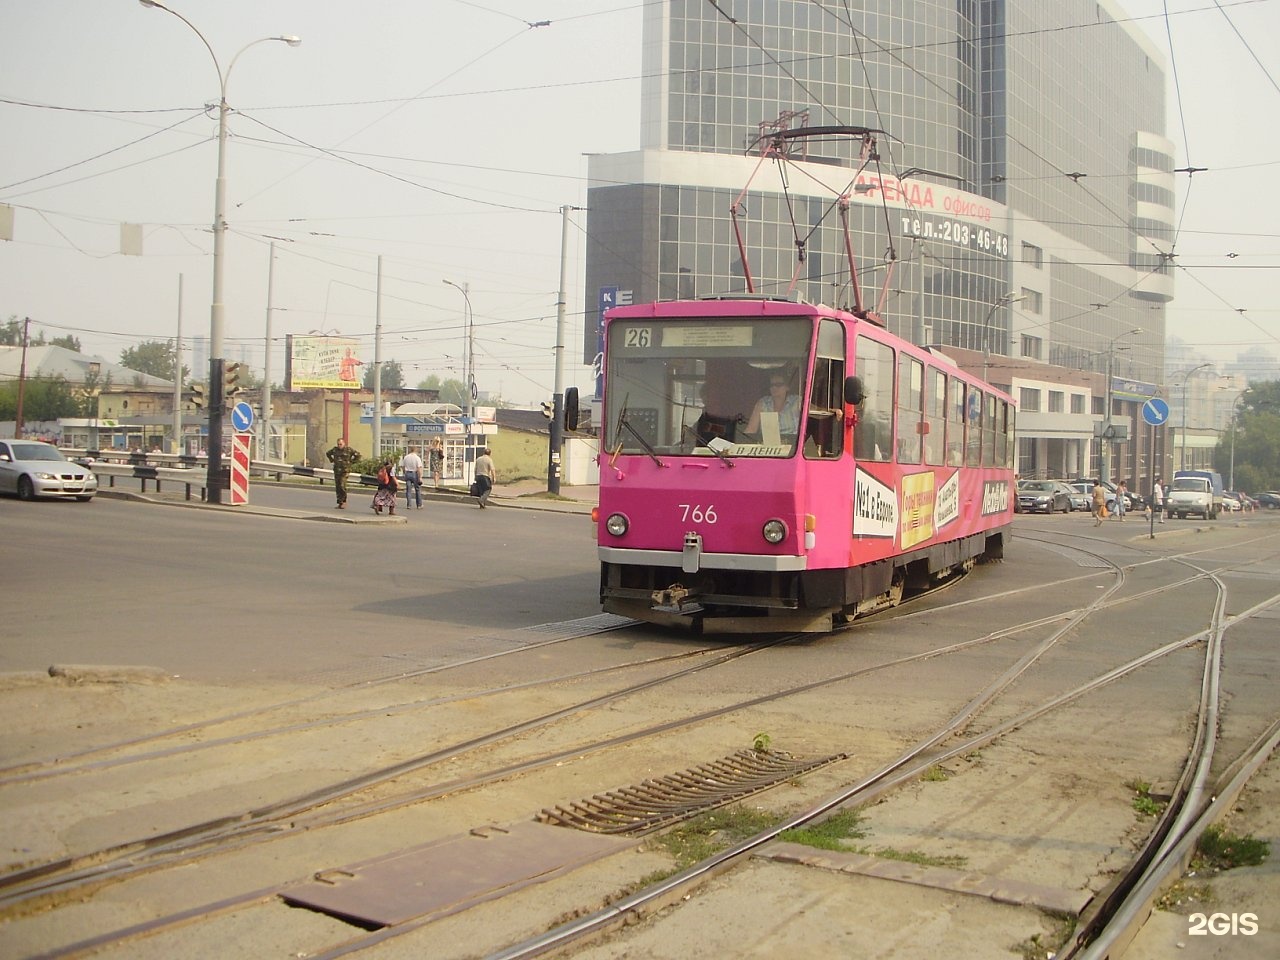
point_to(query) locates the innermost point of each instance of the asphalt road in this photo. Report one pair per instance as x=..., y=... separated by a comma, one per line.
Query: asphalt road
x=222, y=597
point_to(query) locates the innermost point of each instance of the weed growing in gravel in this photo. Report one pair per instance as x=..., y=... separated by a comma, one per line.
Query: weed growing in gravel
x=1183, y=895
x=1143, y=803
x=1220, y=850
x=830, y=834
x=935, y=774
x=1038, y=946
x=915, y=856
x=712, y=832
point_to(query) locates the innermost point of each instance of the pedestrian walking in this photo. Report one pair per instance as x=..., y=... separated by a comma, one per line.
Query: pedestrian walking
x=385, y=497
x=1122, y=500
x=486, y=474
x=1099, y=503
x=1157, y=500
x=411, y=470
x=435, y=460
x=343, y=459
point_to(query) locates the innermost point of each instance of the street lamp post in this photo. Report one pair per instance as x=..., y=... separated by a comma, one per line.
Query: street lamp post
x=1182, y=447
x=1008, y=298
x=468, y=349
x=1107, y=432
x=555, y=443
x=1231, y=474
x=213, y=483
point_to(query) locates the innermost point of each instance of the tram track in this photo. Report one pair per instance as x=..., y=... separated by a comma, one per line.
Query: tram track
x=915, y=761
x=903, y=770
x=77, y=875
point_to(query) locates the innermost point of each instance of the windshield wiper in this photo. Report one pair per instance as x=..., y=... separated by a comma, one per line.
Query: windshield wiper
x=623, y=421
x=688, y=431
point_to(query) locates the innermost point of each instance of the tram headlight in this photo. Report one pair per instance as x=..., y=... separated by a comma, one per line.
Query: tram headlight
x=617, y=524
x=775, y=531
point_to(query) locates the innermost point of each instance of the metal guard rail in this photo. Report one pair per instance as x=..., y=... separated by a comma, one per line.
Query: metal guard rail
x=188, y=469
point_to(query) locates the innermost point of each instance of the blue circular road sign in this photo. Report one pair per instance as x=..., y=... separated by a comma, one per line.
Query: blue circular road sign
x=242, y=417
x=1155, y=411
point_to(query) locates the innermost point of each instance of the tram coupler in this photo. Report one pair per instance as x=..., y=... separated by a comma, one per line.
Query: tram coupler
x=673, y=596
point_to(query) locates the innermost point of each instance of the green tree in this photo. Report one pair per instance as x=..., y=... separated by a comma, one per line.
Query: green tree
x=11, y=335
x=70, y=342
x=43, y=398
x=158, y=358
x=452, y=391
x=392, y=375
x=1256, y=435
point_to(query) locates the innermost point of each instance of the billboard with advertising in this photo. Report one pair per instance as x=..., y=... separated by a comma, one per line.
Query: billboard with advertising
x=322, y=363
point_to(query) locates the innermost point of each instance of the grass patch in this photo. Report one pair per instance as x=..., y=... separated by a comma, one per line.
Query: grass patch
x=915, y=856
x=1144, y=804
x=1221, y=850
x=1183, y=894
x=708, y=834
x=1041, y=945
x=830, y=834
x=835, y=832
x=935, y=774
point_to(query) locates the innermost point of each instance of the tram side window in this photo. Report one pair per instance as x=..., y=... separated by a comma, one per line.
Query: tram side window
x=955, y=425
x=1002, y=433
x=989, y=433
x=973, y=420
x=910, y=409
x=935, y=403
x=873, y=434
x=1010, y=431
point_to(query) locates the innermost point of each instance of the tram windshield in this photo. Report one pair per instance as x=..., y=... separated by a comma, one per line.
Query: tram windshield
x=706, y=386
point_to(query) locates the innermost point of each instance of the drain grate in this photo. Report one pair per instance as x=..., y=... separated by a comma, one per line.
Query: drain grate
x=679, y=796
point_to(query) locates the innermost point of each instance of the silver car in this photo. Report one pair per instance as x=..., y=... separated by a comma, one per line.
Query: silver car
x=33, y=469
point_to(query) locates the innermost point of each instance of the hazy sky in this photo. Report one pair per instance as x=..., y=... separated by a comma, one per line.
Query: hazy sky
x=443, y=137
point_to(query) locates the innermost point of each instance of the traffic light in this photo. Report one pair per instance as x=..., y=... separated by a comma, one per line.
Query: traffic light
x=231, y=379
x=548, y=409
x=199, y=396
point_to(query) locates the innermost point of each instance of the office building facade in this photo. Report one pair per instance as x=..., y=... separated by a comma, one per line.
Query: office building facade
x=1020, y=203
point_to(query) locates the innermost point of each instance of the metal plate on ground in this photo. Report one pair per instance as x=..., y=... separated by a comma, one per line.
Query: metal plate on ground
x=448, y=875
x=679, y=796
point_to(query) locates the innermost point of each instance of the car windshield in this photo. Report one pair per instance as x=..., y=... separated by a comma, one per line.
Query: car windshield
x=1198, y=484
x=36, y=451
x=1039, y=486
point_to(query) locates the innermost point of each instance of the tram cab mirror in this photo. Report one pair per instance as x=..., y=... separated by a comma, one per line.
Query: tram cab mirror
x=571, y=408
x=853, y=390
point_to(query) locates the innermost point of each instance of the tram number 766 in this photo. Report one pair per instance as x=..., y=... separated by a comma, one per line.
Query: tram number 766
x=697, y=513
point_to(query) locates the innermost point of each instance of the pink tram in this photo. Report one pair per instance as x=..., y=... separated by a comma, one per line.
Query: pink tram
x=774, y=466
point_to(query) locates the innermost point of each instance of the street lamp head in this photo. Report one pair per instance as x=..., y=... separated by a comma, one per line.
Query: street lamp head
x=150, y=3
x=290, y=40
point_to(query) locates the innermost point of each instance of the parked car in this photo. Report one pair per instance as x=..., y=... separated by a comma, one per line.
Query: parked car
x=1081, y=497
x=1246, y=502
x=34, y=469
x=1044, y=496
x=1230, y=503
x=1269, y=500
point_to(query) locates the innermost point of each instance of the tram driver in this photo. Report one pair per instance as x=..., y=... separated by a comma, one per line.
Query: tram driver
x=782, y=403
